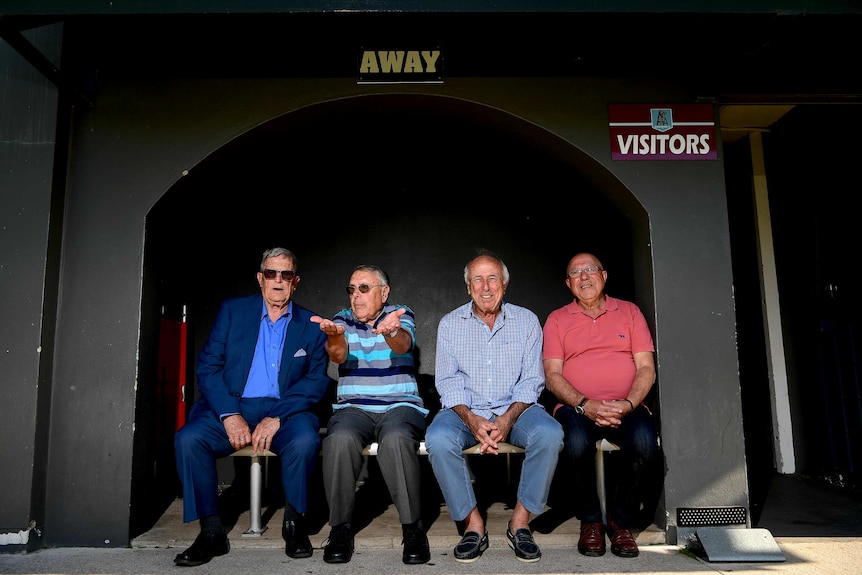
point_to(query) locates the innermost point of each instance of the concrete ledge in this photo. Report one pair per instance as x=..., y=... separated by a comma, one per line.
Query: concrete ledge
x=384, y=532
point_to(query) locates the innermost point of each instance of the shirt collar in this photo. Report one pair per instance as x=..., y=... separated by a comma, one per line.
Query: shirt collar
x=468, y=310
x=264, y=313
x=611, y=304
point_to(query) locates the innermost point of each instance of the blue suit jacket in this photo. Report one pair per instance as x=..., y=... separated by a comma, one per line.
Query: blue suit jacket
x=225, y=361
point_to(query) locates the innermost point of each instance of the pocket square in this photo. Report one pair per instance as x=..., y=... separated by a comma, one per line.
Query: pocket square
x=300, y=353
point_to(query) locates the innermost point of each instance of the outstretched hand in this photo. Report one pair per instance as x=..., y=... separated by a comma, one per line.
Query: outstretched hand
x=329, y=327
x=389, y=323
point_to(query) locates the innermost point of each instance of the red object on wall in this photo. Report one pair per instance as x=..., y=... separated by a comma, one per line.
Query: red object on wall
x=170, y=399
x=181, y=381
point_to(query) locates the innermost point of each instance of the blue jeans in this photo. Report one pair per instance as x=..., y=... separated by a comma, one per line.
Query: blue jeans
x=637, y=437
x=535, y=431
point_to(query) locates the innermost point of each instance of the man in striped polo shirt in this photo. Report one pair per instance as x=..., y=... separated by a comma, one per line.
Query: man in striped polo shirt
x=377, y=400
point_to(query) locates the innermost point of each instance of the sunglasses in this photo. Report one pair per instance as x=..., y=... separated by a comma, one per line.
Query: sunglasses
x=286, y=275
x=363, y=288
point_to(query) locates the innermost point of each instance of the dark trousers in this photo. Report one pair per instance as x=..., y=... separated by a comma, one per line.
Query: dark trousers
x=637, y=438
x=203, y=440
x=398, y=432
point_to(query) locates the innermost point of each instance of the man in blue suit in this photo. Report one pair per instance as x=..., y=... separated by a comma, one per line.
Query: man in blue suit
x=260, y=375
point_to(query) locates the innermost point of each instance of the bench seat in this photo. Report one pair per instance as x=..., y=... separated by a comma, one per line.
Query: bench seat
x=256, y=473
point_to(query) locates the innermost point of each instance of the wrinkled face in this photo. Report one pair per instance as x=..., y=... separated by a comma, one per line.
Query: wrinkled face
x=486, y=286
x=277, y=291
x=367, y=306
x=583, y=282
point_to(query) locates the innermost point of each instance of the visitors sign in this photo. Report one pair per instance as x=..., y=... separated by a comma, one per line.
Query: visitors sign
x=672, y=132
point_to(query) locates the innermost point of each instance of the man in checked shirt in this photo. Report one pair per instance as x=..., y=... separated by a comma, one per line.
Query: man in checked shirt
x=489, y=375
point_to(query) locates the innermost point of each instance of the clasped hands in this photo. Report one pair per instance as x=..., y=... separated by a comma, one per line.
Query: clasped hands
x=489, y=434
x=609, y=413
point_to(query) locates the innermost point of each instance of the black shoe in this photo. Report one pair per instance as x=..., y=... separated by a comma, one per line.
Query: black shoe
x=296, y=542
x=206, y=546
x=339, y=546
x=522, y=543
x=416, y=549
x=471, y=547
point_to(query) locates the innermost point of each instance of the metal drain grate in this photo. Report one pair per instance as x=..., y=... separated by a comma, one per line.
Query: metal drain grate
x=710, y=516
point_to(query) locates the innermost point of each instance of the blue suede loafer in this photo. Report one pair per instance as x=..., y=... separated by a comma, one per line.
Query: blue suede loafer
x=523, y=545
x=471, y=547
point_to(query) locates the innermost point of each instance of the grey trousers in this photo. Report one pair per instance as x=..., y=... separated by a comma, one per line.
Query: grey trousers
x=398, y=433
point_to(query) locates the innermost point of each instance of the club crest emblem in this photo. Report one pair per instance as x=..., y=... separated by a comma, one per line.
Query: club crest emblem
x=662, y=119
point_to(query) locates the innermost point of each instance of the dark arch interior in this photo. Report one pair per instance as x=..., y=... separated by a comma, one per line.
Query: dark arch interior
x=414, y=184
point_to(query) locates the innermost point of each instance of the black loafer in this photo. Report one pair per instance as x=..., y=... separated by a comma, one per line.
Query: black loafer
x=471, y=547
x=523, y=545
x=296, y=541
x=339, y=546
x=205, y=547
x=416, y=549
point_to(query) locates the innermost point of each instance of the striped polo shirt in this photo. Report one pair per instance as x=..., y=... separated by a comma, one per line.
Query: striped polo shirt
x=373, y=377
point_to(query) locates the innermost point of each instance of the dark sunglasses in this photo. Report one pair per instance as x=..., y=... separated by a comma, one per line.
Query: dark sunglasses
x=363, y=288
x=286, y=275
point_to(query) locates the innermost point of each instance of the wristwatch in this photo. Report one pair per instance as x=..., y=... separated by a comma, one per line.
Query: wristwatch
x=579, y=408
x=393, y=333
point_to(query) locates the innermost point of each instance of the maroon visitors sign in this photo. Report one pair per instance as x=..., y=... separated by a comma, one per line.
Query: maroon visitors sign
x=649, y=132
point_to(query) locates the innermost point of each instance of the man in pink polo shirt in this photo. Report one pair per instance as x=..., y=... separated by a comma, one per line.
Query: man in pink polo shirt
x=598, y=358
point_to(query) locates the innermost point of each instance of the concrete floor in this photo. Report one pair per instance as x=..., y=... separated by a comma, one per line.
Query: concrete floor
x=376, y=521
x=818, y=529
x=796, y=506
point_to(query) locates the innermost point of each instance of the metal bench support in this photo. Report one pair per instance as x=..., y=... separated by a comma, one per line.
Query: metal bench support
x=256, y=487
x=603, y=445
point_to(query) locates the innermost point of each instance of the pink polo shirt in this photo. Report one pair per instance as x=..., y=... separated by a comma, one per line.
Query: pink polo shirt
x=598, y=354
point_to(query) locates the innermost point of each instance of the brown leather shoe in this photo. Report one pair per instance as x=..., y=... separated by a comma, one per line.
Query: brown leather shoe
x=622, y=541
x=592, y=540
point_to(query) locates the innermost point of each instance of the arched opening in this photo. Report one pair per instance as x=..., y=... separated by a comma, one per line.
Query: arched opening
x=413, y=183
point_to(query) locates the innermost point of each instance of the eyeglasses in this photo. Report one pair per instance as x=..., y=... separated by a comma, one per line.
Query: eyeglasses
x=589, y=270
x=363, y=288
x=286, y=275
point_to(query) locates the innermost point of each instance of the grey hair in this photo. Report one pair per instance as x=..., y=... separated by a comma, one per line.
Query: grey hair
x=382, y=276
x=279, y=252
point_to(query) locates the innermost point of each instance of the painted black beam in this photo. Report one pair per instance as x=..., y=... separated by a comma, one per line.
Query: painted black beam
x=20, y=44
x=126, y=7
